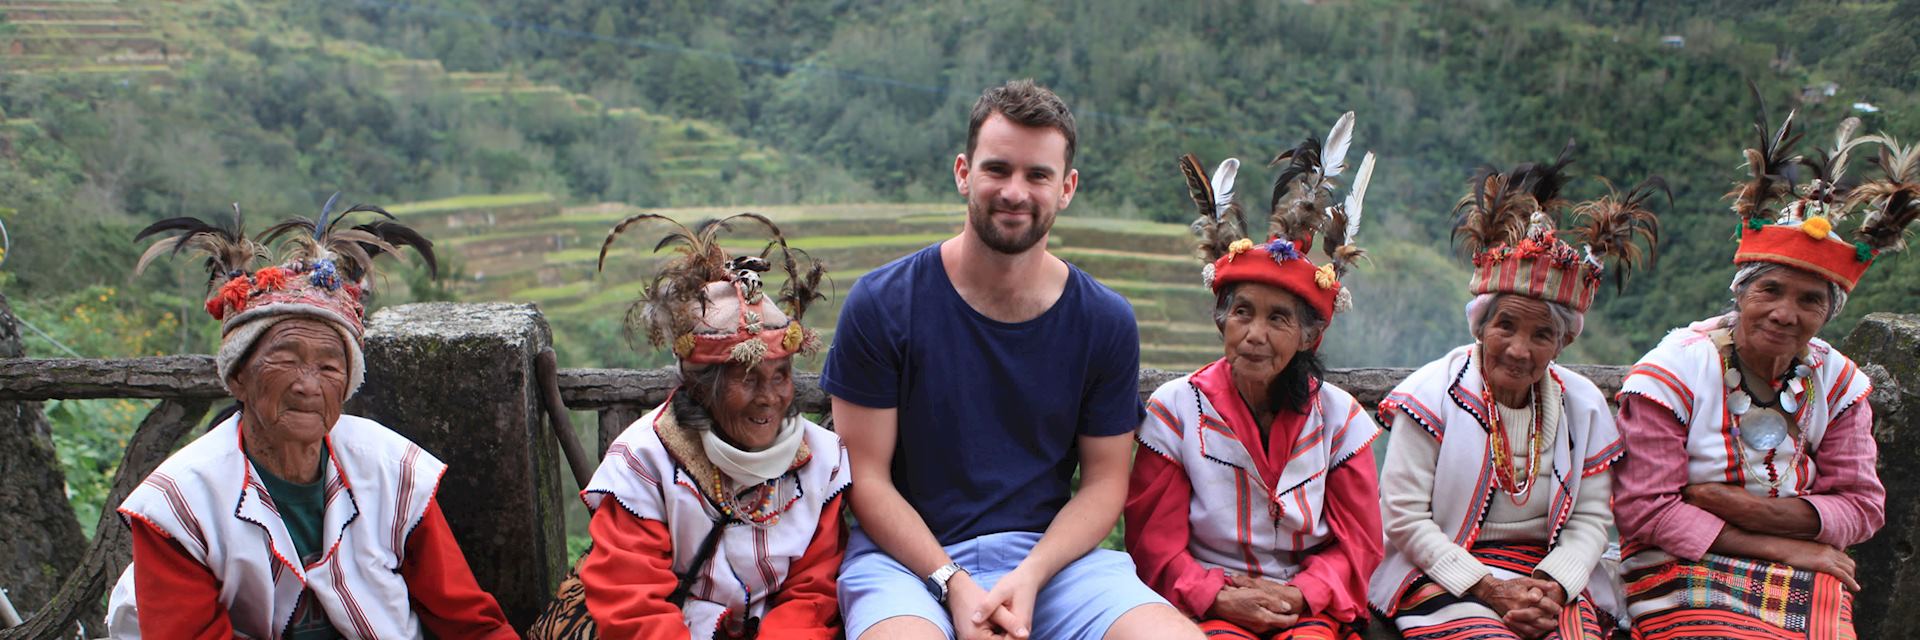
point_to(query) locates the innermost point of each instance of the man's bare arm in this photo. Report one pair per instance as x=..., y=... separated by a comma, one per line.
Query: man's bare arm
x=885, y=516
x=1091, y=513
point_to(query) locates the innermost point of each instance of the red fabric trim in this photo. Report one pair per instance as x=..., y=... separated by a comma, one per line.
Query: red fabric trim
x=448, y=600
x=180, y=595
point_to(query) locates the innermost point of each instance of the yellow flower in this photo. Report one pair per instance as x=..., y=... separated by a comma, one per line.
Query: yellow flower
x=683, y=345
x=794, y=335
x=1325, y=277
x=1818, y=227
x=1238, y=247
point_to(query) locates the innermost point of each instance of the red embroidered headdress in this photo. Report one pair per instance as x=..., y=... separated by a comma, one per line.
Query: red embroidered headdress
x=710, y=307
x=1801, y=233
x=1302, y=206
x=324, y=273
x=1506, y=224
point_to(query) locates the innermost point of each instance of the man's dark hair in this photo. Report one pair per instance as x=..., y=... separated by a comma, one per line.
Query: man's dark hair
x=1026, y=104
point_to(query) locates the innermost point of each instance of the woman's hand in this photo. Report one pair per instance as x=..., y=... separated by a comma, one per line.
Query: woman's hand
x=1543, y=617
x=1252, y=606
x=1820, y=557
x=1523, y=604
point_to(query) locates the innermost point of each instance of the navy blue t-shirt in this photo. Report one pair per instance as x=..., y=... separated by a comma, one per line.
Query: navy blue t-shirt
x=988, y=410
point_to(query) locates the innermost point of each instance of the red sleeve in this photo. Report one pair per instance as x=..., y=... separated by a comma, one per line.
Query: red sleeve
x=446, y=597
x=1157, y=533
x=805, y=607
x=1334, y=580
x=1647, y=482
x=1846, y=490
x=180, y=595
x=628, y=576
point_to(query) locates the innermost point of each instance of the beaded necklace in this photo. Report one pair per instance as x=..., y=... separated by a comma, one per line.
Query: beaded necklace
x=1775, y=422
x=1518, y=489
x=761, y=505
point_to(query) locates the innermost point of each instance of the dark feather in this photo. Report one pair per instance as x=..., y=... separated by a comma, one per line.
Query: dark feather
x=1494, y=211
x=325, y=211
x=357, y=209
x=1612, y=225
x=1198, y=186
x=1215, y=231
x=1302, y=161
x=398, y=235
x=227, y=249
x=680, y=234
x=1768, y=164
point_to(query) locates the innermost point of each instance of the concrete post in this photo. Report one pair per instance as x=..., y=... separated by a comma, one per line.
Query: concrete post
x=458, y=380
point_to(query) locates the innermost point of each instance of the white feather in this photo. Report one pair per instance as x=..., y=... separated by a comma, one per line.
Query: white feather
x=1333, y=154
x=1223, y=185
x=1844, y=142
x=1356, y=194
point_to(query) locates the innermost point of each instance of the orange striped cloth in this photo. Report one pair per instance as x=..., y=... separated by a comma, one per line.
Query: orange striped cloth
x=1725, y=597
x=1308, y=628
x=1429, y=612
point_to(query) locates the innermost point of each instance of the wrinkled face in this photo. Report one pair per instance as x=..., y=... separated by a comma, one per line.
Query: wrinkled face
x=296, y=380
x=1015, y=182
x=752, y=403
x=1519, y=340
x=1263, y=330
x=1779, y=312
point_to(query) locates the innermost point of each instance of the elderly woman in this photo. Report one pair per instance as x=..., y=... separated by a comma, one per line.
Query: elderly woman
x=289, y=519
x=1259, y=437
x=1750, y=465
x=1507, y=542
x=717, y=515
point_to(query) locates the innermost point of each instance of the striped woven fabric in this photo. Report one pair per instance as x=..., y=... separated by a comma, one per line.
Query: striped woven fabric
x=1723, y=597
x=1429, y=612
x=1308, y=628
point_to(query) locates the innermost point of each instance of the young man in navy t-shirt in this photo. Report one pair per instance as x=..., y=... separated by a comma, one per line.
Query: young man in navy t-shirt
x=968, y=381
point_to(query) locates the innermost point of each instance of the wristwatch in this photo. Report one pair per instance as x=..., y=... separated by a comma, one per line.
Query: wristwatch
x=937, y=583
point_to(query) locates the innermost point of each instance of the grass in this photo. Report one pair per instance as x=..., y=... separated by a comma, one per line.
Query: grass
x=462, y=203
x=816, y=244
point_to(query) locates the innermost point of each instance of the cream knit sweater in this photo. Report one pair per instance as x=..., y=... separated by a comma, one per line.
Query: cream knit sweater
x=1406, y=488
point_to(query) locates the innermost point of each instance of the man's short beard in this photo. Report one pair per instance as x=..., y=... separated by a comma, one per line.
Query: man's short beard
x=980, y=217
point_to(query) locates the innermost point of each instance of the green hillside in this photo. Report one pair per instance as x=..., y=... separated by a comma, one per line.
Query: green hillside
x=1440, y=88
x=114, y=113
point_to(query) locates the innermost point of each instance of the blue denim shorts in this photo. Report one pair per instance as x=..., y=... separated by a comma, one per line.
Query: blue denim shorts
x=1081, y=601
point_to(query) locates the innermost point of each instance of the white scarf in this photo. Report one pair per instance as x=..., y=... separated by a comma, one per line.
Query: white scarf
x=748, y=468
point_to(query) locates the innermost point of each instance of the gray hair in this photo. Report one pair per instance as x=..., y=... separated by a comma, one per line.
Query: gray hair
x=1562, y=318
x=1751, y=272
x=1311, y=324
x=699, y=390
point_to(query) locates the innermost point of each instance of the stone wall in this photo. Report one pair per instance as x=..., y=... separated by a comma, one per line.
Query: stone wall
x=1887, y=348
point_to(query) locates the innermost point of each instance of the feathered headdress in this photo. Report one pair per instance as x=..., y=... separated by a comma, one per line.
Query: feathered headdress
x=325, y=272
x=1506, y=224
x=711, y=307
x=1801, y=232
x=1301, y=207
